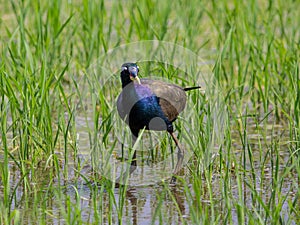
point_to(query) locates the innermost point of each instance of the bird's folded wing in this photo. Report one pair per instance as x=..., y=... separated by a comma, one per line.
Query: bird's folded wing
x=172, y=98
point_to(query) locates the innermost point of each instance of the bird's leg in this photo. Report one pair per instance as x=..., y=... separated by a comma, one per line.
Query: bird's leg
x=133, y=163
x=180, y=154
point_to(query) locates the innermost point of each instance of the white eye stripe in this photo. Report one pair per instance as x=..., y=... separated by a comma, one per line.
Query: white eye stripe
x=124, y=68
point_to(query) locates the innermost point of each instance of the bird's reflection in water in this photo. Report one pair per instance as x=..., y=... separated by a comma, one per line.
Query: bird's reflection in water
x=142, y=205
x=180, y=201
x=133, y=199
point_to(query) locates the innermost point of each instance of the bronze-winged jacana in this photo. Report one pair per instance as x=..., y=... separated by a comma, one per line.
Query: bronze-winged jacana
x=151, y=105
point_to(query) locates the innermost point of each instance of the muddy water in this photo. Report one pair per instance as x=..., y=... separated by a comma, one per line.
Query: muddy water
x=141, y=202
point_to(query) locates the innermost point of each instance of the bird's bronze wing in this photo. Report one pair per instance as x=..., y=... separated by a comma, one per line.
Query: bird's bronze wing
x=172, y=98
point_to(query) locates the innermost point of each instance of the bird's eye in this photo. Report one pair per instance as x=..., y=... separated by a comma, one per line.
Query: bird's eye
x=124, y=68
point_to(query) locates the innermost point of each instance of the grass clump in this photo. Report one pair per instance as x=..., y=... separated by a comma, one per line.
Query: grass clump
x=59, y=82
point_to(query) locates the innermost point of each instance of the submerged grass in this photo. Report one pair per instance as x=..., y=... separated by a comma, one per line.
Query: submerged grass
x=53, y=84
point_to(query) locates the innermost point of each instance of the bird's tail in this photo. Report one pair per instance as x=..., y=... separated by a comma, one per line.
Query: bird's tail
x=191, y=88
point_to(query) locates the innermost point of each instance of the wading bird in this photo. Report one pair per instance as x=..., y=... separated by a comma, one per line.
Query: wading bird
x=151, y=105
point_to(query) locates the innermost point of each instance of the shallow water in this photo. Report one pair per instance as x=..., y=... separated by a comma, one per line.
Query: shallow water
x=142, y=200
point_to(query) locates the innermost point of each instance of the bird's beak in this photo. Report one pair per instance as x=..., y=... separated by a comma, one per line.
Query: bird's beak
x=135, y=78
x=134, y=74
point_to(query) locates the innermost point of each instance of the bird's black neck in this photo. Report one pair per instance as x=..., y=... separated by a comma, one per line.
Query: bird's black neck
x=125, y=79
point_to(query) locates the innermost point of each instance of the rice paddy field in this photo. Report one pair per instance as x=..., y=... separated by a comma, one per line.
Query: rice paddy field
x=63, y=145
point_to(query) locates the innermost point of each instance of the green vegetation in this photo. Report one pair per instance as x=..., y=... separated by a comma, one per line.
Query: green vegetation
x=54, y=81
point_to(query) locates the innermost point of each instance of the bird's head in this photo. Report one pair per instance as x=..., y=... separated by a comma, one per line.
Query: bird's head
x=129, y=73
